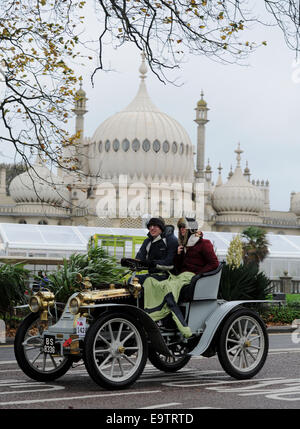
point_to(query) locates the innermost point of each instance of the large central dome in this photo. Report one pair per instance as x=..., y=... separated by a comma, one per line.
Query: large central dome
x=142, y=142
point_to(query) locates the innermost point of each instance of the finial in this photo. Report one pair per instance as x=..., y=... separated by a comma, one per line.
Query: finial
x=238, y=151
x=208, y=167
x=230, y=174
x=219, y=181
x=143, y=68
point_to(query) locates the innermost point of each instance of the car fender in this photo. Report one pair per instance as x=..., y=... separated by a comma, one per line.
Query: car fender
x=214, y=321
x=151, y=328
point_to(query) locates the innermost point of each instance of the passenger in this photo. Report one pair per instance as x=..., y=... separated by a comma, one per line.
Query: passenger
x=158, y=250
x=194, y=256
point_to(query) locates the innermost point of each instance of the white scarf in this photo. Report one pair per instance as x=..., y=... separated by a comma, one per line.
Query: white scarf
x=194, y=238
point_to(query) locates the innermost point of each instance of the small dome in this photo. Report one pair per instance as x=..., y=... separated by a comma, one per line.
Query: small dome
x=80, y=93
x=38, y=184
x=238, y=194
x=202, y=102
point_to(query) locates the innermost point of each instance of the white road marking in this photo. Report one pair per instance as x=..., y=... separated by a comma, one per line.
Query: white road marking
x=73, y=398
x=170, y=404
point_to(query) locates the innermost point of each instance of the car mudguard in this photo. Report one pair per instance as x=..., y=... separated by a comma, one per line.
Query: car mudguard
x=151, y=328
x=213, y=322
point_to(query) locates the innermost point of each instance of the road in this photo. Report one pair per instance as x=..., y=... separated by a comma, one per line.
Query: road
x=202, y=384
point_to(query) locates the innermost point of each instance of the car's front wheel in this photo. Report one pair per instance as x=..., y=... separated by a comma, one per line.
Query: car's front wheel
x=30, y=355
x=115, y=351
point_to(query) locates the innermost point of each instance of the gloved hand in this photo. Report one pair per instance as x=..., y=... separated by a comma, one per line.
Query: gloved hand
x=149, y=264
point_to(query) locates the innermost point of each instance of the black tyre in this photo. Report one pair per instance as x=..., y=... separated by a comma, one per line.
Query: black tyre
x=28, y=347
x=243, y=344
x=115, y=350
x=179, y=358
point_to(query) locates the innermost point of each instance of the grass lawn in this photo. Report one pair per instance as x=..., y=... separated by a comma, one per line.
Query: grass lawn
x=292, y=298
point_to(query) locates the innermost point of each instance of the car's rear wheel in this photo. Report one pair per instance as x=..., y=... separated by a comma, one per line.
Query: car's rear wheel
x=243, y=344
x=179, y=354
x=115, y=350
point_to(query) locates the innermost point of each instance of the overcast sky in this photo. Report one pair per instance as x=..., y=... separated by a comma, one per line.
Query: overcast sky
x=257, y=105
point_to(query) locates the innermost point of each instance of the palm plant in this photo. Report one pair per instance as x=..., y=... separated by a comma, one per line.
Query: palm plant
x=97, y=264
x=13, y=282
x=255, y=248
x=243, y=283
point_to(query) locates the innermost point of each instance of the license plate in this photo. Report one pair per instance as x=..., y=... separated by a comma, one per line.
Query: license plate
x=49, y=344
x=81, y=326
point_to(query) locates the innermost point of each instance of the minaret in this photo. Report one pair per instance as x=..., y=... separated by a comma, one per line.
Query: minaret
x=73, y=154
x=201, y=120
x=80, y=110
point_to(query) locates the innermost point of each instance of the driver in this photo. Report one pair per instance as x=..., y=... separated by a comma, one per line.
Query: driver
x=158, y=250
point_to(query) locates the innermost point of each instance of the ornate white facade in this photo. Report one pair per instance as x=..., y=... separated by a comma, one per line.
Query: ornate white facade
x=144, y=152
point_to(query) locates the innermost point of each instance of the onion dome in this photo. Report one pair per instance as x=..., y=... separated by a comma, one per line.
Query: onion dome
x=141, y=141
x=202, y=102
x=38, y=185
x=238, y=194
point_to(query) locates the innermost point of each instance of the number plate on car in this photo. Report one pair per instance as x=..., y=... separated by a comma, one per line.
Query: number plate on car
x=49, y=344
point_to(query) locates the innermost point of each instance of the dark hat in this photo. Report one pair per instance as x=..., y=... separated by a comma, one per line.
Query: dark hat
x=156, y=221
x=189, y=223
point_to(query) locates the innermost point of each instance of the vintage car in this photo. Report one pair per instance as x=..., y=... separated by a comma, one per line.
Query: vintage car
x=108, y=328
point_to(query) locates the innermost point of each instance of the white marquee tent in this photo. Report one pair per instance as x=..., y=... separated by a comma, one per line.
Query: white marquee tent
x=52, y=241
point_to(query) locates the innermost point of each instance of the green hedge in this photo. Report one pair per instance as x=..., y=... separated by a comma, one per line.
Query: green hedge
x=284, y=314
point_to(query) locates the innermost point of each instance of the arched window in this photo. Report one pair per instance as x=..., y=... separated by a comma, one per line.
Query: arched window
x=107, y=145
x=116, y=145
x=22, y=221
x=146, y=145
x=135, y=145
x=125, y=145
x=174, y=147
x=42, y=222
x=156, y=146
x=166, y=146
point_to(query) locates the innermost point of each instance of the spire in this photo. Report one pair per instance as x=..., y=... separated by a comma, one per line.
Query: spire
x=143, y=67
x=247, y=172
x=238, y=151
x=230, y=174
x=208, y=171
x=142, y=101
x=219, y=181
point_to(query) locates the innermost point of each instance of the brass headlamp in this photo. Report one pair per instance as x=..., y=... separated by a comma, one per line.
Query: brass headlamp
x=41, y=301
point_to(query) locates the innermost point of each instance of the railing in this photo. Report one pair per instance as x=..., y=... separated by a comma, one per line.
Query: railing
x=281, y=286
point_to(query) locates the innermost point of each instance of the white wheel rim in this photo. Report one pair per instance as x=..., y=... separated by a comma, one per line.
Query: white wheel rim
x=117, y=350
x=245, y=343
x=34, y=354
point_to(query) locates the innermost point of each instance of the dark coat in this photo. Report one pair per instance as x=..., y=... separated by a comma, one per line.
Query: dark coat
x=159, y=251
x=199, y=258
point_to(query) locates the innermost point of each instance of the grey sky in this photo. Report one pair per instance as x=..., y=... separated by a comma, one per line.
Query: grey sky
x=257, y=105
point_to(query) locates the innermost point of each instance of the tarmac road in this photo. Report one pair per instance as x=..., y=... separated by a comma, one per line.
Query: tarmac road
x=202, y=384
